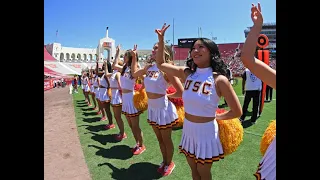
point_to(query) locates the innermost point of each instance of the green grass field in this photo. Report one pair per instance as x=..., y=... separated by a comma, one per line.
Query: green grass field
x=108, y=159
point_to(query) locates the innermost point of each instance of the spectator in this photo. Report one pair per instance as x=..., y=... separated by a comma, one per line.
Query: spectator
x=251, y=88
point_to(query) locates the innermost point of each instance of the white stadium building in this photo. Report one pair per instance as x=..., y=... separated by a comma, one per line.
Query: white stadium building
x=70, y=60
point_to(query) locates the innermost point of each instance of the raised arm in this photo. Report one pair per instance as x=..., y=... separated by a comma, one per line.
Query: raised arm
x=257, y=67
x=135, y=71
x=169, y=69
x=115, y=64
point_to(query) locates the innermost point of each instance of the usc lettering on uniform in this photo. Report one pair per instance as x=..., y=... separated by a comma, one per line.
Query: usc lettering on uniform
x=196, y=86
x=152, y=74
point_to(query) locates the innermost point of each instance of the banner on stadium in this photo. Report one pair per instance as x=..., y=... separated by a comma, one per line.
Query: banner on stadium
x=187, y=42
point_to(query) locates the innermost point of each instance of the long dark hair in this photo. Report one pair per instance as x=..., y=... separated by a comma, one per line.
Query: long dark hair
x=128, y=64
x=216, y=62
x=109, y=66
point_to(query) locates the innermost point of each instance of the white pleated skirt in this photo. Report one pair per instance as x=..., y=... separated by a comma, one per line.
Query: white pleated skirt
x=92, y=89
x=116, y=99
x=128, y=108
x=103, y=95
x=201, y=141
x=162, y=113
x=267, y=166
x=97, y=92
x=86, y=88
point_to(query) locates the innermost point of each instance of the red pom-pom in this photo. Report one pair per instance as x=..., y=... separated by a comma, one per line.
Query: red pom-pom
x=175, y=101
x=219, y=111
x=171, y=90
x=137, y=87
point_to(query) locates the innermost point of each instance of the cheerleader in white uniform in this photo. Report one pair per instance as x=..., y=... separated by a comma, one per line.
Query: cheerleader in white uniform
x=116, y=100
x=92, y=88
x=128, y=108
x=86, y=87
x=96, y=85
x=267, y=166
x=104, y=98
x=205, y=82
x=162, y=114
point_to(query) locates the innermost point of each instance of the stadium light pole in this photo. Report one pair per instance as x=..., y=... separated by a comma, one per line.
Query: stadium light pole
x=198, y=33
x=173, y=31
x=173, y=39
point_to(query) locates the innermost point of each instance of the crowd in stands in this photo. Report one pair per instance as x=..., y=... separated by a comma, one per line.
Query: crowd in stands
x=47, y=77
x=232, y=59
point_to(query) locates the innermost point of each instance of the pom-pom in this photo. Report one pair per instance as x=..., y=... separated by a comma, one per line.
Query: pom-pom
x=137, y=87
x=175, y=101
x=180, y=112
x=140, y=99
x=268, y=136
x=230, y=133
x=171, y=90
x=138, y=80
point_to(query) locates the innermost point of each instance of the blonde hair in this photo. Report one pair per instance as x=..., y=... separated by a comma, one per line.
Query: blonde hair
x=168, y=54
x=120, y=63
x=168, y=58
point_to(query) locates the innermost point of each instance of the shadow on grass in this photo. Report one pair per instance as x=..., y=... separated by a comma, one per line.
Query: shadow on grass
x=96, y=128
x=92, y=120
x=103, y=139
x=137, y=171
x=122, y=152
x=248, y=123
x=88, y=109
x=82, y=105
x=89, y=113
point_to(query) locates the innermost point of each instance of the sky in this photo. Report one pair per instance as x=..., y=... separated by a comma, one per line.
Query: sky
x=82, y=23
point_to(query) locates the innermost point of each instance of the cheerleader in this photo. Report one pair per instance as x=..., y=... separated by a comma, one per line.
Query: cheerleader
x=86, y=86
x=104, y=98
x=75, y=83
x=162, y=113
x=128, y=108
x=267, y=166
x=205, y=82
x=116, y=99
x=96, y=85
x=92, y=79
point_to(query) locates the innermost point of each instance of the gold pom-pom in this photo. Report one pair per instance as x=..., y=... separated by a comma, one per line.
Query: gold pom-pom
x=230, y=133
x=268, y=136
x=180, y=112
x=109, y=93
x=140, y=99
x=138, y=80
